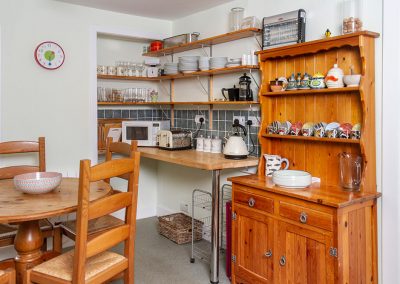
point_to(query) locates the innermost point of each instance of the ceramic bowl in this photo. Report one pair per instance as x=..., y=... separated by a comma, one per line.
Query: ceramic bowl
x=37, y=183
x=277, y=88
x=292, y=178
x=352, y=80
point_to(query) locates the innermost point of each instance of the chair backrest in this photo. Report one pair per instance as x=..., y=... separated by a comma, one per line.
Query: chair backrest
x=120, y=148
x=19, y=147
x=112, y=203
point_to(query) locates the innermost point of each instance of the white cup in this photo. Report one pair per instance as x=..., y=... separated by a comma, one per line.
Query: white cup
x=274, y=163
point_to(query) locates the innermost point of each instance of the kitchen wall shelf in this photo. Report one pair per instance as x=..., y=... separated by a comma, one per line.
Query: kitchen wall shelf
x=178, y=103
x=318, y=139
x=241, y=68
x=311, y=92
x=206, y=42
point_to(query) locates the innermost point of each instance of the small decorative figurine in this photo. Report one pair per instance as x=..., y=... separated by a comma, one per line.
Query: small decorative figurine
x=328, y=33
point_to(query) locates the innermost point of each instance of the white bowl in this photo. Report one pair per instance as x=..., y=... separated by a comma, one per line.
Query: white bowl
x=352, y=80
x=292, y=178
x=37, y=183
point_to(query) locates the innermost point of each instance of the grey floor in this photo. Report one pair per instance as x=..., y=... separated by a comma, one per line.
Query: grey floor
x=159, y=260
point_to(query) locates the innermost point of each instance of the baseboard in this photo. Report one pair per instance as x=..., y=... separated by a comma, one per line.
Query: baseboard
x=161, y=211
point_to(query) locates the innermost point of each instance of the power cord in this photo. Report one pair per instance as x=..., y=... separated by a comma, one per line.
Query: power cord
x=198, y=129
x=249, y=124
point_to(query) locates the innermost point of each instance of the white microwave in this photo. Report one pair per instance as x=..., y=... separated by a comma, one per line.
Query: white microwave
x=144, y=132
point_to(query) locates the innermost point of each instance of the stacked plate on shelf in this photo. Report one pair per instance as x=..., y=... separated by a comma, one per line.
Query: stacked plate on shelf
x=171, y=68
x=234, y=62
x=188, y=64
x=204, y=63
x=218, y=62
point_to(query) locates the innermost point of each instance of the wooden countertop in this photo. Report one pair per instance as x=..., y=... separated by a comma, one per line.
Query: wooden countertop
x=194, y=159
x=325, y=195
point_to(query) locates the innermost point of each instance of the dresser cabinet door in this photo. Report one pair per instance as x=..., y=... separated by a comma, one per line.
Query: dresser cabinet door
x=252, y=246
x=304, y=256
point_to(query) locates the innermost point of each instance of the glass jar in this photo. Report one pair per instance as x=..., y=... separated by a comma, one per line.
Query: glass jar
x=351, y=16
x=236, y=18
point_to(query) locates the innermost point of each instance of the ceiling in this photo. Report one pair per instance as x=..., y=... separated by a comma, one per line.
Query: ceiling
x=161, y=9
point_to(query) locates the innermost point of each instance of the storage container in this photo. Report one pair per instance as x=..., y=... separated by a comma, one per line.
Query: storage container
x=181, y=39
x=178, y=228
x=351, y=16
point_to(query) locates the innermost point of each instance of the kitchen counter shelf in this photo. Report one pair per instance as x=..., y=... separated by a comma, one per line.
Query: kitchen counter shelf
x=178, y=103
x=205, y=42
x=318, y=139
x=182, y=76
x=313, y=92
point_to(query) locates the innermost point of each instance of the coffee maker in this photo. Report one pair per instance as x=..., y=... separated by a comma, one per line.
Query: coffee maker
x=245, y=92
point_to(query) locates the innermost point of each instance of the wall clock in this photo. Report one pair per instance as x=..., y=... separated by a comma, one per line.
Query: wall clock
x=49, y=55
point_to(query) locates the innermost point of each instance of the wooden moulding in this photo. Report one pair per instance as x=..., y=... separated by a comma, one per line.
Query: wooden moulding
x=319, y=156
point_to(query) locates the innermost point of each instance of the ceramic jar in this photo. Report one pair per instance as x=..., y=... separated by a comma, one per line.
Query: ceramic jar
x=305, y=82
x=207, y=145
x=334, y=78
x=216, y=145
x=292, y=83
x=200, y=143
x=318, y=81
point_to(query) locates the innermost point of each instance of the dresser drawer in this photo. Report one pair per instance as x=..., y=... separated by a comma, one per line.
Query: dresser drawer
x=305, y=215
x=254, y=201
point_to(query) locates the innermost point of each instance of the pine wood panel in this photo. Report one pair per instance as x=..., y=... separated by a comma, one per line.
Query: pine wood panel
x=253, y=238
x=307, y=256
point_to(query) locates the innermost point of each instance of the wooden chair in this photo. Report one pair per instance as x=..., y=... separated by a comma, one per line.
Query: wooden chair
x=7, y=231
x=7, y=276
x=90, y=261
x=98, y=225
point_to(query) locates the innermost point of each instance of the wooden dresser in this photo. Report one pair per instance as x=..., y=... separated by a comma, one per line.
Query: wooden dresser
x=321, y=234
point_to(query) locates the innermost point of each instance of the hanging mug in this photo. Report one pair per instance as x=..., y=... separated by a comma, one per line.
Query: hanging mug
x=274, y=163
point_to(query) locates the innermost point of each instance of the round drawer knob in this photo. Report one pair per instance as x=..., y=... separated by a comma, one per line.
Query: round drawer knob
x=282, y=261
x=252, y=202
x=268, y=254
x=303, y=217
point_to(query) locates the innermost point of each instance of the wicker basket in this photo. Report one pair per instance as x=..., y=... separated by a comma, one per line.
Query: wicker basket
x=178, y=228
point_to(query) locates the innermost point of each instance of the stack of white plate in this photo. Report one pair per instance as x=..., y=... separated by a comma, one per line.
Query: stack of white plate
x=170, y=68
x=234, y=62
x=218, y=62
x=292, y=179
x=204, y=63
x=188, y=64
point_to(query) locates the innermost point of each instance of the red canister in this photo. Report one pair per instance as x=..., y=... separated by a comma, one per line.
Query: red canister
x=156, y=45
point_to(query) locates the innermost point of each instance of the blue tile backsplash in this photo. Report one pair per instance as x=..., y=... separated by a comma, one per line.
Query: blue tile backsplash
x=222, y=121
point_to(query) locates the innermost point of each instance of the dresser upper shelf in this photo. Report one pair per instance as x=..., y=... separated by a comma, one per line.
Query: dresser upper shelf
x=231, y=36
x=316, y=46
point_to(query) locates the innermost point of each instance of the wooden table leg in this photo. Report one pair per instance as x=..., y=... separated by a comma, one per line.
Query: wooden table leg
x=27, y=243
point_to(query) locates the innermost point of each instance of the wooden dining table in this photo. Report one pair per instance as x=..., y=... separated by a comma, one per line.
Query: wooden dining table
x=27, y=209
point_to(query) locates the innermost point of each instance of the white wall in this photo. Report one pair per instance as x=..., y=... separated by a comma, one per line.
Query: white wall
x=391, y=141
x=55, y=104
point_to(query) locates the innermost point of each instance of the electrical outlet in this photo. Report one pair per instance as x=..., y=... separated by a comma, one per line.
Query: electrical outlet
x=255, y=120
x=242, y=120
x=197, y=118
x=184, y=207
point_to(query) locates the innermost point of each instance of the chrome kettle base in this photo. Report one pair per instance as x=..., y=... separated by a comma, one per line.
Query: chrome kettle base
x=236, y=157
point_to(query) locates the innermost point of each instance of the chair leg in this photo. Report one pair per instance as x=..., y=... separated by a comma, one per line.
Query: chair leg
x=44, y=246
x=57, y=240
x=12, y=277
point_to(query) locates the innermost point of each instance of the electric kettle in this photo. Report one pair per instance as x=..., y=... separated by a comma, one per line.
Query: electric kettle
x=235, y=147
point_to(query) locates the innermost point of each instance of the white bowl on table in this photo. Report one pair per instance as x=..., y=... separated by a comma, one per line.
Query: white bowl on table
x=37, y=183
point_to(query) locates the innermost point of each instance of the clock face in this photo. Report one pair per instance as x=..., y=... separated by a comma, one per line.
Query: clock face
x=49, y=55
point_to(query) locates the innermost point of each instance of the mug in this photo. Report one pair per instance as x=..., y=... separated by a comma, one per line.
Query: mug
x=274, y=163
x=111, y=70
x=101, y=70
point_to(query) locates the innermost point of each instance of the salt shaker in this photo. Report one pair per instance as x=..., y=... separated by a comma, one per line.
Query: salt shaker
x=207, y=144
x=200, y=143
